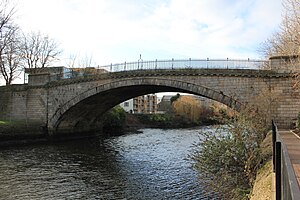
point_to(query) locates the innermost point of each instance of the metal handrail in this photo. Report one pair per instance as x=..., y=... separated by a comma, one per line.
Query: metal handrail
x=286, y=185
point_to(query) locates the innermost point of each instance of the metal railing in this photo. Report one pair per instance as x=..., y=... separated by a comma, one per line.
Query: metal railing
x=187, y=63
x=165, y=64
x=286, y=185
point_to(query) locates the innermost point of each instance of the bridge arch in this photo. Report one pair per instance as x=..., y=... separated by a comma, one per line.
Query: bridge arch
x=85, y=108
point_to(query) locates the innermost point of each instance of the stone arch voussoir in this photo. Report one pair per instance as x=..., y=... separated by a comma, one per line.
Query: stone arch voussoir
x=178, y=84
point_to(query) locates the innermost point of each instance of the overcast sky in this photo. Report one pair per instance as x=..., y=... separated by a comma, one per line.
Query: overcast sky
x=114, y=31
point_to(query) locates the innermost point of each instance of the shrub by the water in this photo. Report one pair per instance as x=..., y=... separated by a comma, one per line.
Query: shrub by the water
x=114, y=118
x=227, y=160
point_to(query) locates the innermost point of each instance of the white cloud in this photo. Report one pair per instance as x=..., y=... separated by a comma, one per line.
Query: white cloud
x=118, y=30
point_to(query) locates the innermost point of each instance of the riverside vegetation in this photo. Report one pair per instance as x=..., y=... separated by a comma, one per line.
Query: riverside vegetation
x=229, y=158
x=182, y=112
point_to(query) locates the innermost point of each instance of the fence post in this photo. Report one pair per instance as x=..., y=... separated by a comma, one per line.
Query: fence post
x=278, y=171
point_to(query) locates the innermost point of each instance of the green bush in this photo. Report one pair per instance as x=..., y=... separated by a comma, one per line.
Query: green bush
x=174, y=98
x=114, y=118
x=228, y=158
x=159, y=118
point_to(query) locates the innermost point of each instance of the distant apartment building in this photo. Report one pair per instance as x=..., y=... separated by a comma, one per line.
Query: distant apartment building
x=127, y=105
x=145, y=104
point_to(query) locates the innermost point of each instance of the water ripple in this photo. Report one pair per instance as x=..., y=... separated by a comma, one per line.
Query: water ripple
x=149, y=165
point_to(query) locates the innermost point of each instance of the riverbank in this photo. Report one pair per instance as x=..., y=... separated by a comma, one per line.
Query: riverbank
x=20, y=133
x=23, y=132
x=163, y=121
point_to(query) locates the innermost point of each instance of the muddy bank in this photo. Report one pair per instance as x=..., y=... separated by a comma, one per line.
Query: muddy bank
x=18, y=133
x=138, y=121
x=21, y=132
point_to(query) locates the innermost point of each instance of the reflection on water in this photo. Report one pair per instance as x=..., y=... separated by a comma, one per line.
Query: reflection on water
x=149, y=165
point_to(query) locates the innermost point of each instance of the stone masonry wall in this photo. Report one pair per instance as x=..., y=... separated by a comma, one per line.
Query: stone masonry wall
x=5, y=102
x=22, y=103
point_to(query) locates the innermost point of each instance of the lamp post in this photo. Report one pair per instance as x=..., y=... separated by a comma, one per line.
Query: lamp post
x=140, y=61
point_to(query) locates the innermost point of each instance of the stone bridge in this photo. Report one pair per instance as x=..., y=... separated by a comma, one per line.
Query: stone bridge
x=77, y=104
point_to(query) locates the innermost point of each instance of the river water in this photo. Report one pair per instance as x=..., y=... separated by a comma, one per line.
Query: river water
x=152, y=164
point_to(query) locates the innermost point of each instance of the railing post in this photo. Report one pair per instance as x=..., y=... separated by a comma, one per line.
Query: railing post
x=274, y=132
x=125, y=66
x=278, y=171
x=227, y=63
x=172, y=63
x=207, y=62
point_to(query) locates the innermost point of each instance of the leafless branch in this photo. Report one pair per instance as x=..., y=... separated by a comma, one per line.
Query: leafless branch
x=39, y=50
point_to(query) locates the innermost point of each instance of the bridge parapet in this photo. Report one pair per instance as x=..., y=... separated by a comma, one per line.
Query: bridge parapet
x=42, y=76
x=285, y=63
x=281, y=64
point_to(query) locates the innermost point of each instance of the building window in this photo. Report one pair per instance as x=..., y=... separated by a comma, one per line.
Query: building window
x=126, y=104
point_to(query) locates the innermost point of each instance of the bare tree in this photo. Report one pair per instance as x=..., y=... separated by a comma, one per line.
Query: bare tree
x=71, y=62
x=39, y=50
x=10, y=61
x=286, y=41
x=284, y=45
x=76, y=60
x=81, y=65
x=86, y=61
x=9, y=44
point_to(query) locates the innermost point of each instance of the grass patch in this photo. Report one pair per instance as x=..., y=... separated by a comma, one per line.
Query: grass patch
x=262, y=189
